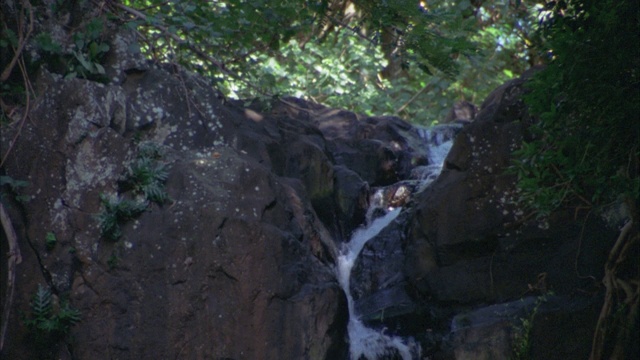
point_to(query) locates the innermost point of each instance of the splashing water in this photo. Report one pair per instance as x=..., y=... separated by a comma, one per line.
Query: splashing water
x=363, y=341
x=439, y=140
x=366, y=342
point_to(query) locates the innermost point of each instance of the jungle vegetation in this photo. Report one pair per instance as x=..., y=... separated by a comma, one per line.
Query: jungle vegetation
x=409, y=58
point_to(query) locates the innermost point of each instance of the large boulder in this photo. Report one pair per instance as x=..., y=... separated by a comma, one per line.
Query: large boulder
x=235, y=264
x=380, y=149
x=366, y=152
x=469, y=221
x=543, y=327
x=470, y=244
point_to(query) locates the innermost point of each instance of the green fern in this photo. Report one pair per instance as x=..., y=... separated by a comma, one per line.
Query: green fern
x=41, y=304
x=67, y=317
x=115, y=212
x=149, y=150
x=147, y=175
x=46, y=325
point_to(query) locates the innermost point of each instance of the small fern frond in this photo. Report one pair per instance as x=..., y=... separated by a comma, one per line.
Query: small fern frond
x=41, y=306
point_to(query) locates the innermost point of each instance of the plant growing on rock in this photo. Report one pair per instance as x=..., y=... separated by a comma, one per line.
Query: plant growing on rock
x=50, y=241
x=117, y=211
x=146, y=175
x=48, y=323
x=82, y=58
x=14, y=186
x=522, y=336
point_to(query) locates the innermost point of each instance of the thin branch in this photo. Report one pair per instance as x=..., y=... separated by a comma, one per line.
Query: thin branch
x=412, y=99
x=14, y=259
x=27, y=86
x=579, y=250
x=568, y=182
x=22, y=41
x=179, y=40
x=615, y=252
x=352, y=29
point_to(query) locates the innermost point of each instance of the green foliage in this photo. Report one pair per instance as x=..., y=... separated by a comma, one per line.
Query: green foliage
x=430, y=38
x=8, y=38
x=117, y=211
x=50, y=241
x=15, y=186
x=584, y=149
x=373, y=57
x=83, y=58
x=522, y=334
x=147, y=175
x=408, y=58
x=403, y=57
x=89, y=50
x=47, y=323
x=45, y=42
x=348, y=80
x=113, y=261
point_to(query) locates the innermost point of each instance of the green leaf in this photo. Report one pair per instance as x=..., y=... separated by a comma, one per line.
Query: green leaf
x=84, y=62
x=45, y=42
x=99, y=68
x=9, y=38
x=41, y=304
x=50, y=240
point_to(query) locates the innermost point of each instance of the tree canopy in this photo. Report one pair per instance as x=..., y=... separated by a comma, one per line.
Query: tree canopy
x=409, y=58
x=405, y=57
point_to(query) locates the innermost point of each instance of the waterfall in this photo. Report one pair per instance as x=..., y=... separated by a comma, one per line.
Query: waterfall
x=439, y=140
x=365, y=342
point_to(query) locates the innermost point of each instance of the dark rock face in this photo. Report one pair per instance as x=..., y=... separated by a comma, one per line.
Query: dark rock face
x=559, y=327
x=236, y=265
x=381, y=150
x=469, y=217
x=470, y=245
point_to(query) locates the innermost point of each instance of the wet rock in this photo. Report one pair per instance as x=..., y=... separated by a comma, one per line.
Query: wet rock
x=352, y=199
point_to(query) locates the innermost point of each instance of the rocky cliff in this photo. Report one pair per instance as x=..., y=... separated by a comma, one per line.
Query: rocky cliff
x=184, y=226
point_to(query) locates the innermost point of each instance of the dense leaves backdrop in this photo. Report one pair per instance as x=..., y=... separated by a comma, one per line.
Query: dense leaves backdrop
x=404, y=57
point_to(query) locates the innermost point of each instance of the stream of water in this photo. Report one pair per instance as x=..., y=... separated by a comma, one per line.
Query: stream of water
x=364, y=342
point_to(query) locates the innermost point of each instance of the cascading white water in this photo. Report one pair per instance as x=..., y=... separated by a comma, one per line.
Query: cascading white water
x=366, y=342
x=363, y=341
x=439, y=139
